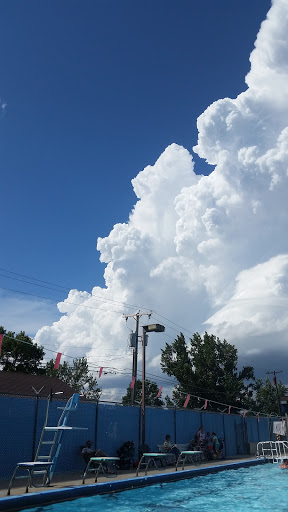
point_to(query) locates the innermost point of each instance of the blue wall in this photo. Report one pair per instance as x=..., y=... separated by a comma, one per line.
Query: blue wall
x=110, y=425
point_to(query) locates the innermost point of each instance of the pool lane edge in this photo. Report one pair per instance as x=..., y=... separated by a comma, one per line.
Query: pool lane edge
x=30, y=500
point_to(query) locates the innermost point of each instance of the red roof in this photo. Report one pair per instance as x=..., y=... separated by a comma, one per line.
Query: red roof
x=16, y=383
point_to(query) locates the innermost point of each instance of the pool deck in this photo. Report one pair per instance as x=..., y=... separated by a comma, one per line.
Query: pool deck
x=71, y=487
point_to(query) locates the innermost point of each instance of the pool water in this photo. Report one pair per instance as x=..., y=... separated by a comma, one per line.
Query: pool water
x=255, y=488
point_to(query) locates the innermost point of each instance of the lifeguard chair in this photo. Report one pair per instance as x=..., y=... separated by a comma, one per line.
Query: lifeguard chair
x=48, y=448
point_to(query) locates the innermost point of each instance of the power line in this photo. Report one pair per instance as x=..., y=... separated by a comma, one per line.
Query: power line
x=33, y=278
x=123, y=373
x=60, y=300
x=68, y=289
x=171, y=321
x=63, y=287
x=29, y=282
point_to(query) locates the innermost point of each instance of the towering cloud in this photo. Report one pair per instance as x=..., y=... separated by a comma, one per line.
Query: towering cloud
x=207, y=252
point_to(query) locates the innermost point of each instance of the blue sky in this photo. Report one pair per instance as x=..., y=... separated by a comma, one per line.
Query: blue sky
x=92, y=92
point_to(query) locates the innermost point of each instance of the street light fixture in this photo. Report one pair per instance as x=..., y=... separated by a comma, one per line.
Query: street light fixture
x=146, y=329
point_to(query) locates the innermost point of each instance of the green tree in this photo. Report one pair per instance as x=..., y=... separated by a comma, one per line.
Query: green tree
x=266, y=396
x=207, y=367
x=77, y=376
x=20, y=354
x=151, y=391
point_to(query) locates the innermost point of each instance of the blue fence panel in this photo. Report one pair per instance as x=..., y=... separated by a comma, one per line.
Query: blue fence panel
x=116, y=425
x=187, y=425
x=252, y=425
x=230, y=440
x=235, y=435
x=85, y=417
x=239, y=432
x=264, y=429
x=159, y=422
x=16, y=426
x=213, y=422
x=70, y=459
x=109, y=426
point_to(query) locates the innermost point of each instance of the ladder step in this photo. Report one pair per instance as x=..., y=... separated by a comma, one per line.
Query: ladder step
x=44, y=457
x=58, y=428
x=48, y=442
x=64, y=409
x=42, y=472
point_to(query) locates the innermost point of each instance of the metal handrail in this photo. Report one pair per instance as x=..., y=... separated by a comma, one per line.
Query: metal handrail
x=272, y=449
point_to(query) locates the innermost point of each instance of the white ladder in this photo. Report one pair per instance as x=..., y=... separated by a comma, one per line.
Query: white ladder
x=53, y=443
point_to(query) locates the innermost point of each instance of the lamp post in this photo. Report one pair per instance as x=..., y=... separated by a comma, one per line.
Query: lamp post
x=146, y=329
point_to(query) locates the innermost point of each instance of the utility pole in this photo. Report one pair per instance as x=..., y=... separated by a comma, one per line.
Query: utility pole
x=136, y=317
x=276, y=386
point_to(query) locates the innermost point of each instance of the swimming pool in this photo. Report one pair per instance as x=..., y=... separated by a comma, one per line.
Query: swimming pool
x=263, y=487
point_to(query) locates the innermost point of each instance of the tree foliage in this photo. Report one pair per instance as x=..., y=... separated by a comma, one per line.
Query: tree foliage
x=77, y=376
x=20, y=354
x=151, y=391
x=207, y=367
x=266, y=399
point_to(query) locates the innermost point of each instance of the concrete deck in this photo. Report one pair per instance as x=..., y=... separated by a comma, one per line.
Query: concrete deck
x=72, y=481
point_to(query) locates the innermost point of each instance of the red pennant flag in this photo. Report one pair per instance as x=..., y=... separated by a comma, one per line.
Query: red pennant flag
x=244, y=414
x=258, y=418
x=159, y=392
x=274, y=380
x=132, y=382
x=186, y=401
x=1, y=338
x=206, y=403
x=100, y=371
x=229, y=409
x=57, y=360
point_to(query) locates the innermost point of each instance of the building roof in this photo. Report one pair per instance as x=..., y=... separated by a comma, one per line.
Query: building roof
x=22, y=384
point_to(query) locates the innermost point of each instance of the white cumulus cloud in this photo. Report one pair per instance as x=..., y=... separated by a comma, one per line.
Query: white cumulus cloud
x=207, y=252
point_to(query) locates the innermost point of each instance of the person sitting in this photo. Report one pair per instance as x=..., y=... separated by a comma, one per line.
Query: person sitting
x=87, y=452
x=284, y=464
x=169, y=447
x=126, y=455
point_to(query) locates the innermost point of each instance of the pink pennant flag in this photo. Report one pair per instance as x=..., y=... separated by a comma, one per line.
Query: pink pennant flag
x=258, y=417
x=57, y=360
x=244, y=414
x=1, y=338
x=229, y=409
x=206, y=403
x=159, y=392
x=132, y=382
x=100, y=371
x=186, y=401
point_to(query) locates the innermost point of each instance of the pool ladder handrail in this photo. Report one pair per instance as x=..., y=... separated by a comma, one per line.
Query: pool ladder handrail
x=272, y=450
